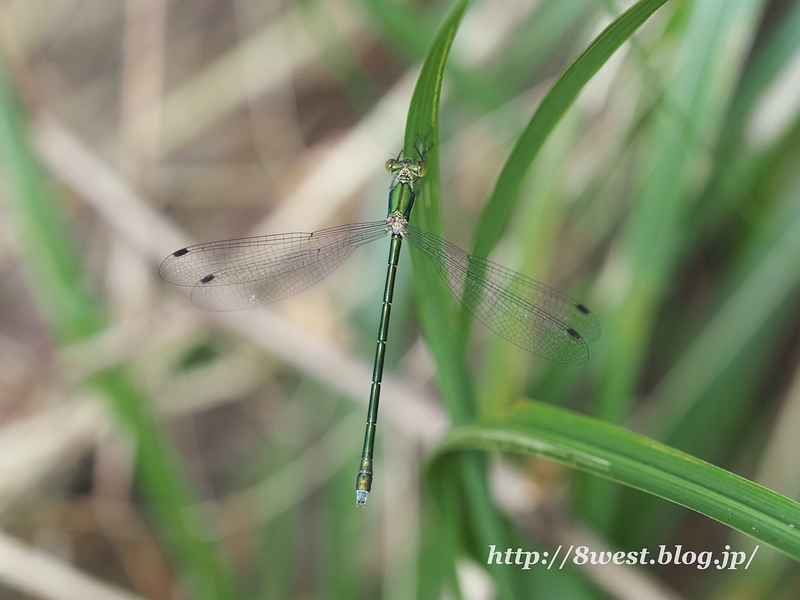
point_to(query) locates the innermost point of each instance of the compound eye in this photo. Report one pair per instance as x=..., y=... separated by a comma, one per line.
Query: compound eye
x=422, y=169
x=389, y=164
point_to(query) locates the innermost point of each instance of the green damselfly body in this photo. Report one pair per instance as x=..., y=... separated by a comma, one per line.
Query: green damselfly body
x=245, y=272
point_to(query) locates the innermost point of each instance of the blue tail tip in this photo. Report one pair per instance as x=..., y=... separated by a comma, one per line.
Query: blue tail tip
x=361, y=497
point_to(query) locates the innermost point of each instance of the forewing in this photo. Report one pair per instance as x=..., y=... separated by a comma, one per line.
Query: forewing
x=244, y=272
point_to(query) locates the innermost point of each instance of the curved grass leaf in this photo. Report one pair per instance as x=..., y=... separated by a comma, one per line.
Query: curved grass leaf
x=422, y=129
x=500, y=207
x=620, y=455
x=466, y=498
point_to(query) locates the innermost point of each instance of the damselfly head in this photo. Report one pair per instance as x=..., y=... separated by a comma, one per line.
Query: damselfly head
x=406, y=170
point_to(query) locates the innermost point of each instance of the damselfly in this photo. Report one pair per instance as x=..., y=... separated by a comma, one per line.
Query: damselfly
x=245, y=272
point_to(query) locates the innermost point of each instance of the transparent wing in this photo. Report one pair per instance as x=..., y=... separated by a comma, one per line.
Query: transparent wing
x=244, y=272
x=527, y=313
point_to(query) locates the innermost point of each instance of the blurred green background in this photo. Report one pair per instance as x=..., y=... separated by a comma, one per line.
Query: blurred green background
x=150, y=450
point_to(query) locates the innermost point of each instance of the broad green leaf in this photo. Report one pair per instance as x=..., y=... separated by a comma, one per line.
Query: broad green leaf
x=620, y=455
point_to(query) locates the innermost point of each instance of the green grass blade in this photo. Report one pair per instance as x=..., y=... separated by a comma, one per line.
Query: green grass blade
x=438, y=320
x=767, y=62
x=738, y=167
x=758, y=296
x=619, y=455
x=699, y=88
x=503, y=200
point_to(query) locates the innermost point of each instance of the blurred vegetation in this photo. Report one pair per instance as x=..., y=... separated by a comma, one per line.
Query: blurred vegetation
x=641, y=158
